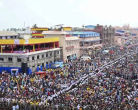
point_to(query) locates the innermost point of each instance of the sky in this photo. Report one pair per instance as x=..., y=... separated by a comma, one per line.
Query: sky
x=46, y=13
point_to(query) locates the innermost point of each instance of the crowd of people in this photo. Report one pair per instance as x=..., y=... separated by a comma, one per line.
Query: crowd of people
x=110, y=90
x=114, y=89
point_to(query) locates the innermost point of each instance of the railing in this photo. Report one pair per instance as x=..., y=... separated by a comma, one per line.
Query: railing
x=27, y=51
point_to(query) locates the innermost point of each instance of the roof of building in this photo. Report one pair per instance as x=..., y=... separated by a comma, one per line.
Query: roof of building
x=28, y=41
x=40, y=29
x=26, y=36
x=85, y=32
x=90, y=26
x=8, y=33
x=54, y=32
x=71, y=38
x=91, y=40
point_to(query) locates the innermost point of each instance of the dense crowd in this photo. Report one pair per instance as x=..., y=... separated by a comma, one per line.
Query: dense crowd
x=114, y=89
x=103, y=91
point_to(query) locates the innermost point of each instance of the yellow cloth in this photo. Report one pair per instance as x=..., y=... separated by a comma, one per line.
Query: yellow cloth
x=36, y=103
x=32, y=79
x=46, y=102
x=31, y=103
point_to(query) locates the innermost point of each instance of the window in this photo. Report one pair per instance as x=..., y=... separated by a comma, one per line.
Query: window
x=10, y=59
x=33, y=58
x=68, y=57
x=37, y=56
x=50, y=53
x=43, y=56
x=46, y=54
x=28, y=59
x=57, y=52
x=1, y=59
x=86, y=42
x=19, y=60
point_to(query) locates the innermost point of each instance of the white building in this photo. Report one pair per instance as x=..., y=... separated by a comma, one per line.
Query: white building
x=68, y=44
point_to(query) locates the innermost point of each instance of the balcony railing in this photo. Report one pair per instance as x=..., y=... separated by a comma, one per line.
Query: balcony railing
x=26, y=51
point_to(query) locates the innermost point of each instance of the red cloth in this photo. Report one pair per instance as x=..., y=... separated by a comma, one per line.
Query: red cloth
x=111, y=52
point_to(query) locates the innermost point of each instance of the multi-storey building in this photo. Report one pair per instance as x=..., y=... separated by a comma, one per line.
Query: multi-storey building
x=8, y=35
x=37, y=32
x=69, y=45
x=88, y=41
x=107, y=34
x=125, y=37
x=32, y=52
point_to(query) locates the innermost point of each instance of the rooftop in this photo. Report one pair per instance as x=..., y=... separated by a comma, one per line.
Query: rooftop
x=54, y=32
x=71, y=38
x=28, y=41
x=8, y=33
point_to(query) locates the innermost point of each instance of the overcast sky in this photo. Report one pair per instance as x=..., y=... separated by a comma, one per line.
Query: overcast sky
x=16, y=13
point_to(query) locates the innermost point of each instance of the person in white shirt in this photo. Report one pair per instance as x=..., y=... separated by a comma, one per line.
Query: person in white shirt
x=13, y=107
x=78, y=107
x=17, y=107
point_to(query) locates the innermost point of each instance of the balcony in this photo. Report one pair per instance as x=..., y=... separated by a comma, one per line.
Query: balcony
x=26, y=50
x=21, y=49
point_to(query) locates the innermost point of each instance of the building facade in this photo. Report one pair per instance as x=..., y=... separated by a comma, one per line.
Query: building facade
x=8, y=35
x=70, y=47
x=107, y=34
x=88, y=41
x=68, y=44
x=125, y=37
x=33, y=52
x=37, y=32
